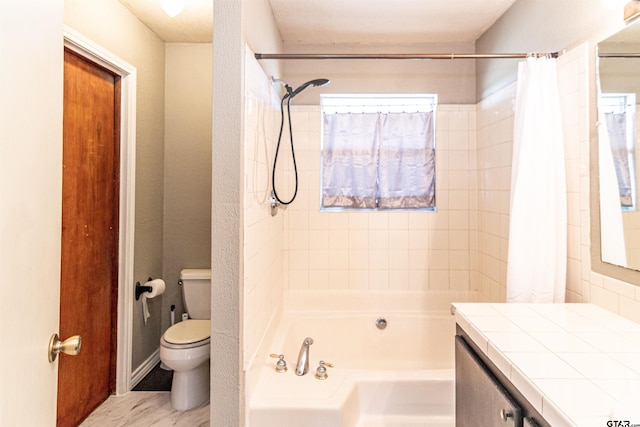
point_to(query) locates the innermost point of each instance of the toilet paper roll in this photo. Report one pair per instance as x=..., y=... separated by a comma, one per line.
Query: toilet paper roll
x=157, y=288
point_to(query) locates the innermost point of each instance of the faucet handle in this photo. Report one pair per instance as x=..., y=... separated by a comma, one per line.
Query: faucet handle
x=281, y=365
x=321, y=372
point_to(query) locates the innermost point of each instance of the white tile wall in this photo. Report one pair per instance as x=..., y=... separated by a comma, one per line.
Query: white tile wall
x=384, y=250
x=494, y=132
x=495, y=142
x=583, y=285
x=573, y=79
x=263, y=234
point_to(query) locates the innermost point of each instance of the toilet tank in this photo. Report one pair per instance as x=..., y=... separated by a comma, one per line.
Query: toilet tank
x=196, y=292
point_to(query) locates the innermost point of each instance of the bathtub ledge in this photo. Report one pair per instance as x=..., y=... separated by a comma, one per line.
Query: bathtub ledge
x=347, y=396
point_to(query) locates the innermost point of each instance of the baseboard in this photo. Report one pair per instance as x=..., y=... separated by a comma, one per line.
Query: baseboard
x=145, y=367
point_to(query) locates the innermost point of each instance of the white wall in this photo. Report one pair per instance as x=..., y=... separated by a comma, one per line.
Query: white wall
x=227, y=294
x=539, y=26
x=454, y=81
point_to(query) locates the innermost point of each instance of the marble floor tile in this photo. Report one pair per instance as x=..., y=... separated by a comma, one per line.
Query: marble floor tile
x=145, y=409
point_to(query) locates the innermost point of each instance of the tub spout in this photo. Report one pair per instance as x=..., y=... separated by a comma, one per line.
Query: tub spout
x=303, y=358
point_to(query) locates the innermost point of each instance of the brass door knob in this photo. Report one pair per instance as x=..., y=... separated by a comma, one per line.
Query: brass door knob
x=70, y=346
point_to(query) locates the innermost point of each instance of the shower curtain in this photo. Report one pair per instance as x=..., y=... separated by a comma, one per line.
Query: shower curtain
x=616, y=124
x=612, y=244
x=537, y=254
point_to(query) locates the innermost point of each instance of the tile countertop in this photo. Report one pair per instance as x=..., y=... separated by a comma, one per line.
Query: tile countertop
x=573, y=362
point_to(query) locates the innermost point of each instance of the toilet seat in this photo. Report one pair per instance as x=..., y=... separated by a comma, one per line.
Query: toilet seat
x=187, y=334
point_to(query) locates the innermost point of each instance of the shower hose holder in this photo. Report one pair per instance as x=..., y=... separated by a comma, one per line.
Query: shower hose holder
x=275, y=204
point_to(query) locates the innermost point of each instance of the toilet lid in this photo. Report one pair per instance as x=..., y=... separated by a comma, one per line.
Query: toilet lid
x=188, y=331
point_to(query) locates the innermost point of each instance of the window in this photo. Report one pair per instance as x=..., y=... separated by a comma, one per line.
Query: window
x=378, y=152
x=619, y=112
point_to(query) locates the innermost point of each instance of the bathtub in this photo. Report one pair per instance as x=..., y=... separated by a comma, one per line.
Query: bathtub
x=402, y=375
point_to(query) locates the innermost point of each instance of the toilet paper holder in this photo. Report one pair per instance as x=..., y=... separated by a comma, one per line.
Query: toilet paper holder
x=140, y=289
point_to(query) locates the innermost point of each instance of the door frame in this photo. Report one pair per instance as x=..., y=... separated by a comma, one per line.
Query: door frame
x=85, y=47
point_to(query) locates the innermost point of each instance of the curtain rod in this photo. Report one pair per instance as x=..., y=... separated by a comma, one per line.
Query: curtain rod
x=619, y=55
x=403, y=55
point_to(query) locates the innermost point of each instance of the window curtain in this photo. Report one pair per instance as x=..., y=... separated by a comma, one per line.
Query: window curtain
x=378, y=160
x=350, y=160
x=407, y=161
x=537, y=252
x=617, y=132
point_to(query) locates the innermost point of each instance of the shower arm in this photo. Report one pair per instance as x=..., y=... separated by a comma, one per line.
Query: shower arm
x=284, y=84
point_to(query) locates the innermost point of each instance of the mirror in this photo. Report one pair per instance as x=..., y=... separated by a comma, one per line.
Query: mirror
x=618, y=95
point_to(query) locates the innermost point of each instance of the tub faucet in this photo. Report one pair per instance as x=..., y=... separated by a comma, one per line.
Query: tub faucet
x=303, y=358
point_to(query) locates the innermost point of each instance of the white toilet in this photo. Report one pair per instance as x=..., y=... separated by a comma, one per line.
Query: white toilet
x=185, y=347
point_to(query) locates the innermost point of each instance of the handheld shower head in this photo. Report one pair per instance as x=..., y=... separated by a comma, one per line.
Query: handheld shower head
x=291, y=93
x=315, y=83
x=287, y=98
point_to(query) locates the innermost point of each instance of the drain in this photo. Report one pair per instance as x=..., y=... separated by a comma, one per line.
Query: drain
x=381, y=323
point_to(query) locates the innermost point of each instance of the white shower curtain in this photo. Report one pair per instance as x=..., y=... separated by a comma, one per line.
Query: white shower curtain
x=612, y=244
x=537, y=255
x=616, y=124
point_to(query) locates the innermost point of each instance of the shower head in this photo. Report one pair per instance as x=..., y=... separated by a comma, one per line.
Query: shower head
x=315, y=83
x=291, y=93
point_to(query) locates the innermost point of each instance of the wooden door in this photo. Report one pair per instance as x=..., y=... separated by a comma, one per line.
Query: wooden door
x=89, y=266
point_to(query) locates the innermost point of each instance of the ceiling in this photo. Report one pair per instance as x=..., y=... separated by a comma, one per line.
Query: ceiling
x=339, y=21
x=385, y=21
x=192, y=25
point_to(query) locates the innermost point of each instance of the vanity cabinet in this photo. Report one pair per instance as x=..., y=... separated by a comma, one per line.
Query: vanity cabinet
x=528, y=422
x=484, y=396
x=480, y=399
